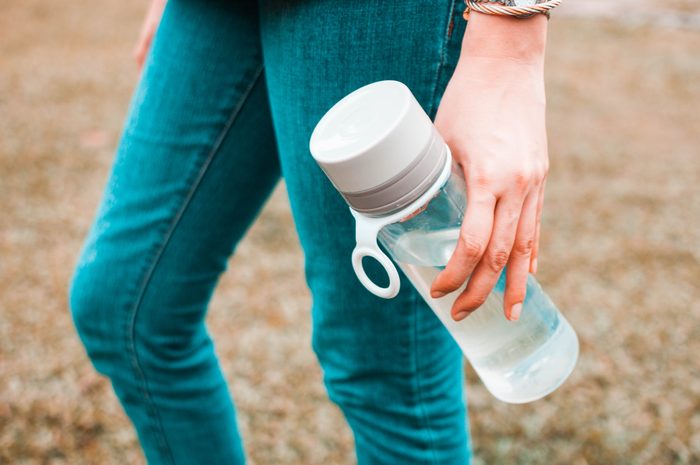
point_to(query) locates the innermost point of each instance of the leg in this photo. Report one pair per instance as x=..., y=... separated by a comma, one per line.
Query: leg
x=196, y=162
x=390, y=365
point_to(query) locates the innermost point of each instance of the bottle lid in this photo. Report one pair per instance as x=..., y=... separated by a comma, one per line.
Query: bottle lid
x=379, y=148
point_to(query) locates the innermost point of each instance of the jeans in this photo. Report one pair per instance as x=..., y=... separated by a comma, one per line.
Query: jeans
x=226, y=104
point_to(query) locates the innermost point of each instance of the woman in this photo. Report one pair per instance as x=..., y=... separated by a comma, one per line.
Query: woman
x=229, y=95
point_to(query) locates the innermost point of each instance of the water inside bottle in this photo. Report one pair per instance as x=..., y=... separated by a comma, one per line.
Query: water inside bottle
x=518, y=361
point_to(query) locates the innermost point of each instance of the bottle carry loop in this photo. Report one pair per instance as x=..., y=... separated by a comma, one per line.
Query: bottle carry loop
x=367, y=229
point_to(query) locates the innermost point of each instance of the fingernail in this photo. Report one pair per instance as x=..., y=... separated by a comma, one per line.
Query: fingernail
x=534, y=266
x=461, y=315
x=437, y=294
x=515, y=312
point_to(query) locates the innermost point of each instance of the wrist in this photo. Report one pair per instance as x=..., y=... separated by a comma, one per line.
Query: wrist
x=493, y=36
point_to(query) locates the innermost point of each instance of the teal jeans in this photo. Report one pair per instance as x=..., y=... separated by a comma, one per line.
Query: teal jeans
x=226, y=104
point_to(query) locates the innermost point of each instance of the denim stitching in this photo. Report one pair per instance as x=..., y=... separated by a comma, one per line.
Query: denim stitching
x=421, y=398
x=131, y=329
x=443, y=54
x=419, y=390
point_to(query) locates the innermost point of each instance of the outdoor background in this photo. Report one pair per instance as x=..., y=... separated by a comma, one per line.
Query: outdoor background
x=620, y=252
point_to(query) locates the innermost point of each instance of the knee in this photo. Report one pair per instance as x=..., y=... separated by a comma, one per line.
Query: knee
x=112, y=318
x=93, y=305
x=374, y=352
x=81, y=299
x=362, y=360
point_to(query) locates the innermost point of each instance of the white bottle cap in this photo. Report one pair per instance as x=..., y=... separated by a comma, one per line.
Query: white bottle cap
x=379, y=148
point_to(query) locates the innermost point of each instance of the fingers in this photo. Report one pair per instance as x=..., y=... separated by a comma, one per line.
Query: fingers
x=148, y=30
x=519, y=262
x=143, y=44
x=497, y=255
x=473, y=240
x=536, y=245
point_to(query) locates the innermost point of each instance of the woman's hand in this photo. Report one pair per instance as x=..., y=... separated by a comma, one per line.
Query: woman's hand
x=148, y=30
x=492, y=116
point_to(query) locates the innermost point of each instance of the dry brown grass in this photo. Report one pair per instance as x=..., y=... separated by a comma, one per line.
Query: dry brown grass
x=621, y=255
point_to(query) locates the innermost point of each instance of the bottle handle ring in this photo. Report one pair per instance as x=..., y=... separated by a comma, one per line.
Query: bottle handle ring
x=362, y=251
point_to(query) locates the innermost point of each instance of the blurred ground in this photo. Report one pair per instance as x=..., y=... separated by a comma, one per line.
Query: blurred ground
x=621, y=255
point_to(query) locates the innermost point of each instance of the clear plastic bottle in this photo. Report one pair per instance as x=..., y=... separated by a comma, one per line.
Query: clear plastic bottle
x=384, y=155
x=518, y=361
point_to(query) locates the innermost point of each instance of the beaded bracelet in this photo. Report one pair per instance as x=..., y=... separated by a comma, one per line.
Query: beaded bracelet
x=496, y=7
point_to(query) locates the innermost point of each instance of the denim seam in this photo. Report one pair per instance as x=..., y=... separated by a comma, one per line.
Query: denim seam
x=442, y=55
x=416, y=307
x=419, y=379
x=131, y=328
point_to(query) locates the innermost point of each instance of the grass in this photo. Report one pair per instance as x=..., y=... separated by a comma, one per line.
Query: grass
x=620, y=255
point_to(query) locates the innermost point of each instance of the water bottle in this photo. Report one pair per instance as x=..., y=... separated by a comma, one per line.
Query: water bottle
x=383, y=154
